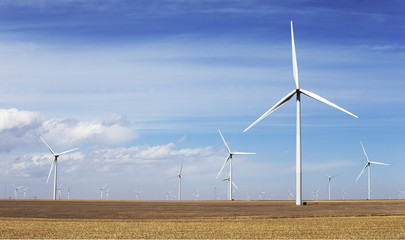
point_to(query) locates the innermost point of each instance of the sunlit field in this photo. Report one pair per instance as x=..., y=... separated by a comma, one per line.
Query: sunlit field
x=202, y=219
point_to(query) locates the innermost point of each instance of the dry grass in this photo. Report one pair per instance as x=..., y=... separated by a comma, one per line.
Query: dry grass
x=380, y=227
x=210, y=219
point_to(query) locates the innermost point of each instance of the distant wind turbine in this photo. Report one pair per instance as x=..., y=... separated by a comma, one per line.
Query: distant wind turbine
x=180, y=177
x=137, y=194
x=69, y=193
x=229, y=158
x=290, y=195
x=368, y=164
x=196, y=195
x=107, y=194
x=102, y=191
x=16, y=191
x=228, y=179
x=261, y=195
x=58, y=192
x=329, y=180
x=55, y=165
x=298, y=91
x=25, y=192
x=315, y=195
x=343, y=194
x=168, y=193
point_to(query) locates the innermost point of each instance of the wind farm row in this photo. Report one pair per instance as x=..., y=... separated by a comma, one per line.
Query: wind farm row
x=229, y=177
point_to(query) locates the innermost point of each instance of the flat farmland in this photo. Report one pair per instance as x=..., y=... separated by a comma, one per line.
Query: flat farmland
x=202, y=219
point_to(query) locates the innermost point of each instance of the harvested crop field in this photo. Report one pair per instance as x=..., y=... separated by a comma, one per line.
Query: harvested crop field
x=202, y=219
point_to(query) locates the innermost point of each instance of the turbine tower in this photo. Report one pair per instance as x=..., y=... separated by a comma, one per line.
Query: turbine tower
x=55, y=165
x=368, y=164
x=329, y=180
x=229, y=158
x=297, y=91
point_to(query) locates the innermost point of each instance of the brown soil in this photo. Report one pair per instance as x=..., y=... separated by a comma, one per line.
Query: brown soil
x=196, y=209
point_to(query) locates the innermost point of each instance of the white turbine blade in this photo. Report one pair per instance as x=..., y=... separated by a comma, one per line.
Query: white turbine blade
x=235, y=185
x=275, y=107
x=241, y=153
x=223, y=165
x=294, y=59
x=321, y=99
x=364, y=151
x=71, y=150
x=386, y=164
x=181, y=168
x=50, y=170
x=362, y=172
x=226, y=145
x=172, y=177
x=50, y=149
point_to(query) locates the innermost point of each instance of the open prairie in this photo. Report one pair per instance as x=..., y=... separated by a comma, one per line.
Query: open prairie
x=202, y=219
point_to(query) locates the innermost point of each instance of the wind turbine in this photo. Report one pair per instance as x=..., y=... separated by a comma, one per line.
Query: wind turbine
x=58, y=191
x=179, y=176
x=69, y=193
x=16, y=191
x=137, y=194
x=315, y=195
x=168, y=194
x=107, y=194
x=229, y=158
x=229, y=179
x=343, y=194
x=261, y=194
x=25, y=192
x=55, y=164
x=196, y=195
x=290, y=195
x=329, y=180
x=368, y=164
x=297, y=91
x=102, y=191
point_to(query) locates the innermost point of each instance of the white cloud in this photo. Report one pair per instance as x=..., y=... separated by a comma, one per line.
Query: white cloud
x=19, y=128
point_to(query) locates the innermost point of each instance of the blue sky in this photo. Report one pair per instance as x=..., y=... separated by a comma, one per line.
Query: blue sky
x=140, y=86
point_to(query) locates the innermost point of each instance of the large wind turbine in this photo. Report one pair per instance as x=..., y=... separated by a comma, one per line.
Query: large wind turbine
x=229, y=158
x=55, y=164
x=329, y=180
x=368, y=164
x=298, y=91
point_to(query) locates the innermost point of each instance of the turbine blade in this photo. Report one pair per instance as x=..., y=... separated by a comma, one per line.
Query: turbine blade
x=223, y=165
x=71, y=150
x=226, y=145
x=362, y=172
x=181, y=168
x=321, y=99
x=379, y=163
x=50, y=149
x=235, y=185
x=294, y=59
x=50, y=170
x=241, y=153
x=275, y=107
x=364, y=151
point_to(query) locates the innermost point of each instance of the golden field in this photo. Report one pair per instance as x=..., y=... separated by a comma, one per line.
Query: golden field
x=203, y=219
